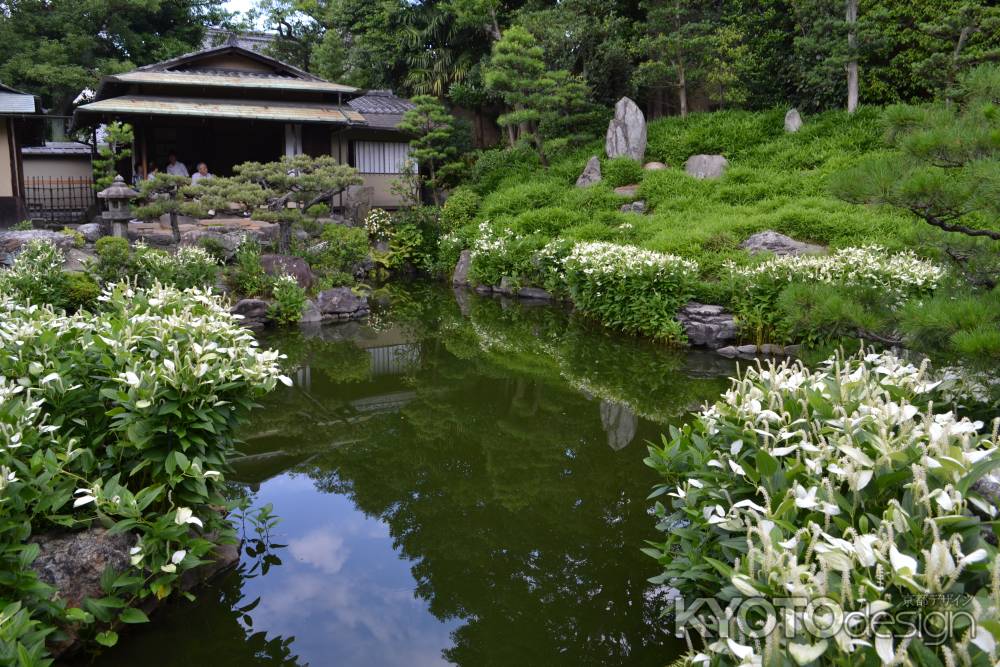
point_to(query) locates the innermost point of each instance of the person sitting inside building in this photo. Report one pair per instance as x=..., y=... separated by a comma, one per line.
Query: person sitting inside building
x=175, y=168
x=200, y=174
x=151, y=172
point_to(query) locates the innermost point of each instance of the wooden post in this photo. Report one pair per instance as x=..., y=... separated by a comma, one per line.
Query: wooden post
x=145, y=156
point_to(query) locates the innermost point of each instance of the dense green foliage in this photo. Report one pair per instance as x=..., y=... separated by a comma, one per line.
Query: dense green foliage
x=121, y=416
x=852, y=483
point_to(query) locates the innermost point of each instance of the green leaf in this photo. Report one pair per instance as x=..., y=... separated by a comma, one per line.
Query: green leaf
x=133, y=615
x=107, y=638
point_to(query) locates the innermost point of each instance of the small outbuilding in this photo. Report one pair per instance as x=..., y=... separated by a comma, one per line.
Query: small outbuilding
x=20, y=124
x=227, y=104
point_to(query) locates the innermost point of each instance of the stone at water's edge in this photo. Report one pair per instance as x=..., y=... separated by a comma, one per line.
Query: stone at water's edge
x=460, y=278
x=779, y=244
x=707, y=325
x=793, y=121
x=534, y=293
x=296, y=267
x=73, y=562
x=706, y=166
x=254, y=312
x=311, y=313
x=342, y=303
x=626, y=135
x=591, y=173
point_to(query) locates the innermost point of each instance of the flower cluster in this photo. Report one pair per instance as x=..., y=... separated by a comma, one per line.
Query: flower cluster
x=36, y=275
x=901, y=275
x=841, y=483
x=614, y=260
x=190, y=266
x=489, y=241
x=378, y=224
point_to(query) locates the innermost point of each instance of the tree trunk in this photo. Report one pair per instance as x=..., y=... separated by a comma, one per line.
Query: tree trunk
x=852, y=65
x=682, y=91
x=963, y=37
x=175, y=227
x=285, y=237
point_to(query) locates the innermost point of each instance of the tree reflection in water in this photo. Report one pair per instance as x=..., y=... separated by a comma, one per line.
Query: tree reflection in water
x=503, y=450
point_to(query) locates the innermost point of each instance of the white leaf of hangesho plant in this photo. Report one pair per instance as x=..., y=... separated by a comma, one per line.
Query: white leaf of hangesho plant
x=737, y=468
x=83, y=500
x=864, y=548
x=132, y=378
x=806, y=499
x=984, y=639
x=884, y=648
x=783, y=451
x=185, y=515
x=699, y=658
x=750, y=505
x=901, y=563
x=178, y=556
x=739, y=650
x=169, y=568
x=135, y=554
x=744, y=585
x=940, y=559
x=975, y=557
x=735, y=448
x=803, y=654
x=285, y=380
x=835, y=557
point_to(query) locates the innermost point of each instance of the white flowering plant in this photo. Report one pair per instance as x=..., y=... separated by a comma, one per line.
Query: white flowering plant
x=378, y=224
x=631, y=289
x=125, y=417
x=289, y=300
x=849, y=484
x=498, y=252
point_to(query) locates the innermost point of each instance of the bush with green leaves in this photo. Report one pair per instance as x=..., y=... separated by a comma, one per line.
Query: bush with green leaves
x=630, y=289
x=344, y=249
x=288, y=300
x=188, y=266
x=853, y=483
x=36, y=275
x=498, y=253
x=378, y=224
x=113, y=258
x=621, y=171
x=460, y=209
x=122, y=417
x=246, y=276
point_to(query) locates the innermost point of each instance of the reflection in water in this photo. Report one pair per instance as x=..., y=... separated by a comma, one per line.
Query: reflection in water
x=457, y=485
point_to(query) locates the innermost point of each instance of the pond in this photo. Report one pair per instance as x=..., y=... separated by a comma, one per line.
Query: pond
x=460, y=481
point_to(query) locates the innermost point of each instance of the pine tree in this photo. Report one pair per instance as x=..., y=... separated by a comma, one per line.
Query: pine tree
x=163, y=194
x=963, y=37
x=947, y=168
x=430, y=124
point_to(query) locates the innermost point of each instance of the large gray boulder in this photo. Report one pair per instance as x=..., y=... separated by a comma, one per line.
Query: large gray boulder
x=91, y=231
x=253, y=311
x=13, y=240
x=793, y=121
x=779, y=244
x=229, y=243
x=73, y=562
x=706, y=166
x=77, y=260
x=591, y=173
x=626, y=132
x=342, y=303
x=460, y=278
x=310, y=313
x=707, y=325
x=282, y=265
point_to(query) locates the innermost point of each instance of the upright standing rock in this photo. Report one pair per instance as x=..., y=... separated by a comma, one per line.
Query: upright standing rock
x=793, y=121
x=591, y=173
x=626, y=132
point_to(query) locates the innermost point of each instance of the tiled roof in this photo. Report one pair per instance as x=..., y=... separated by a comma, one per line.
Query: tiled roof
x=57, y=148
x=231, y=79
x=14, y=101
x=380, y=102
x=293, y=112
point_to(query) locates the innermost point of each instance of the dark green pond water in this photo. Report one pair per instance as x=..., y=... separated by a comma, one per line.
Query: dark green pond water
x=460, y=481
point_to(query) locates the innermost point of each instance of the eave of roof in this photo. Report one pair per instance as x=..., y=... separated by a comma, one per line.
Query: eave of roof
x=58, y=149
x=165, y=65
x=231, y=81
x=301, y=112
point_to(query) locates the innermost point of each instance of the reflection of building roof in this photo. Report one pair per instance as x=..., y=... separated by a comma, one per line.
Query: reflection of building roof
x=296, y=112
x=381, y=108
x=58, y=148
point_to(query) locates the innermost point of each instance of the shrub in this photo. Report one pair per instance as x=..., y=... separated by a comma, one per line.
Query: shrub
x=841, y=484
x=289, y=300
x=627, y=288
x=550, y=220
x=460, y=209
x=621, y=171
x=81, y=291
x=189, y=266
x=36, y=276
x=499, y=253
x=214, y=248
x=23, y=226
x=78, y=240
x=113, y=257
x=514, y=200
x=246, y=276
x=122, y=417
x=494, y=166
x=345, y=248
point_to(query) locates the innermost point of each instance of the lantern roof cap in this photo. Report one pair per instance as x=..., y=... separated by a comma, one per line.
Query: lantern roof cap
x=118, y=190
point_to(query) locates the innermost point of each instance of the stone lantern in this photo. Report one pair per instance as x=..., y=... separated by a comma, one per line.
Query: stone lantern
x=118, y=211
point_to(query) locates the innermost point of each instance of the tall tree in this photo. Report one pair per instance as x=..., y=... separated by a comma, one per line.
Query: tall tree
x=966, y=35
x=432, y=147
x=56, y=48
x=676, y=45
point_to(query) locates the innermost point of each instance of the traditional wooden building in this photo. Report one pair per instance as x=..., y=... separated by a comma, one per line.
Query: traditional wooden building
x=227, y=104
x=20, y=123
